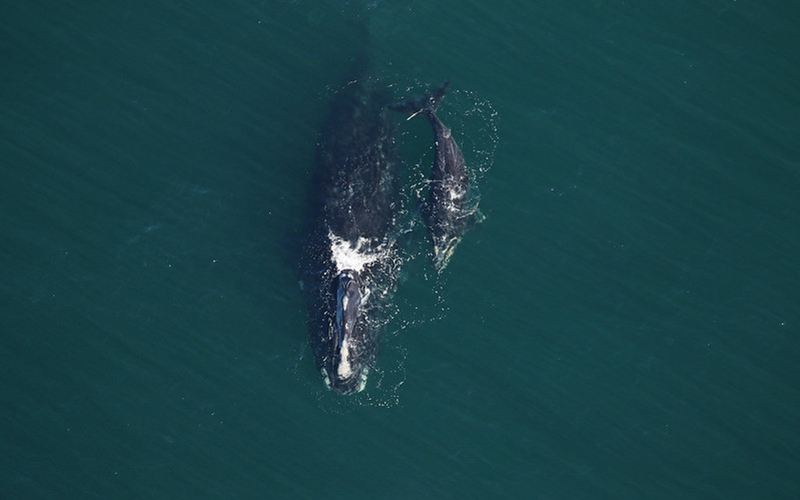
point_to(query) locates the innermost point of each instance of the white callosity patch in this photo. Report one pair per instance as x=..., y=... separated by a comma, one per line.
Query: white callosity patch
x=362, y=380
x=340, y=308
x=344, y=369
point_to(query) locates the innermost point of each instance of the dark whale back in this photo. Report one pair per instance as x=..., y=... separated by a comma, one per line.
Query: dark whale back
x=356, y=179
x=357, y=163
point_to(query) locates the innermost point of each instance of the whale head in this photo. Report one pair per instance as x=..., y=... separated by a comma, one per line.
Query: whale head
x=347, y=366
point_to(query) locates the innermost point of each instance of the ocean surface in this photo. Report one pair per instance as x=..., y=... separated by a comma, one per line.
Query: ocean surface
x=625, y=324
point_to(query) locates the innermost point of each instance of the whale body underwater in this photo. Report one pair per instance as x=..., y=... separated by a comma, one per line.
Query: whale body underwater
x=351, y=260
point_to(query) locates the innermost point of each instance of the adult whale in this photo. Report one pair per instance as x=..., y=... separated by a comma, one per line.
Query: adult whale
x=350, y=263
x=451, y=208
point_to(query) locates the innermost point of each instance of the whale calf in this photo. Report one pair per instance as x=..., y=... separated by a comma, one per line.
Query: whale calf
x=450, y=209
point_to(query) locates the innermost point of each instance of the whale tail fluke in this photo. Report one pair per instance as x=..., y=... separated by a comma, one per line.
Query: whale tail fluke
x=426, y=103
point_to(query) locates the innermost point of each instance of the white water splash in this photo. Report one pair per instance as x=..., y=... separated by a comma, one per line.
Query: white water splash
x=347, y=256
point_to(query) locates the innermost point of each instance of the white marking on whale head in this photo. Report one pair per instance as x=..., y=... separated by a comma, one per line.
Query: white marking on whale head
x=344, y=369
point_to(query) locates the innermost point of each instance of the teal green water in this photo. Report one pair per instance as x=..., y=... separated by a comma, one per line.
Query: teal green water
x=623, y=325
